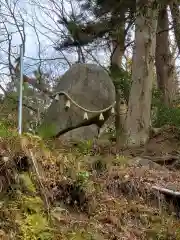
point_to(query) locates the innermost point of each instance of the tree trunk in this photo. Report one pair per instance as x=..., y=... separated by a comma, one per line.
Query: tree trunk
x=165, y=68
x=139, y=107
x=175, y=12
x=116, y=64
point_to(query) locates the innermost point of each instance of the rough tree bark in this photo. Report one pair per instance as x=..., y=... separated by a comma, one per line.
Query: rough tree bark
x=138, y=115
x=165, y=69
x=175, y=12
x=116, y=64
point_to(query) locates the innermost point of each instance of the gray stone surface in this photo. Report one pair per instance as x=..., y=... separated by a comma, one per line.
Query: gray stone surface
x=91, y=87
x=143, y=162
x=80, y=134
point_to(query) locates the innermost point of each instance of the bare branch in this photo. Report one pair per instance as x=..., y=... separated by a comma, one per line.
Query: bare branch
x=16, y=101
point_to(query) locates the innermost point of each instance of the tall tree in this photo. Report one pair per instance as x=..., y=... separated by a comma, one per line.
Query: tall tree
x=165, y=68
x=139, y=107
x=118, y=44
x=175, y=12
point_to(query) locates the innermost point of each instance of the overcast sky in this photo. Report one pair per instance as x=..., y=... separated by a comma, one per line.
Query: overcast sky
x=46, y=36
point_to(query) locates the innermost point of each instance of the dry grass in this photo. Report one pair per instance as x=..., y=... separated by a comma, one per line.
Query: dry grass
x=89, y=197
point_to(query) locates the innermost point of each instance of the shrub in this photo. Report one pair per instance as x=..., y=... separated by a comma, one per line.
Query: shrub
x=85, y=147
x=163, y=115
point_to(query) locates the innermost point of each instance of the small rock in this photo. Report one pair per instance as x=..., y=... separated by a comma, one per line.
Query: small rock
x=143, y=162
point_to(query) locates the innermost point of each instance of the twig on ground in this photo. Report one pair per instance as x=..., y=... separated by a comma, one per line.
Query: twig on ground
x=167, y=191
x=42, y=188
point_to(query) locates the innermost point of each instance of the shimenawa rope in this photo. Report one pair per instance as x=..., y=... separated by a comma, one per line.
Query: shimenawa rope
x=56, y=96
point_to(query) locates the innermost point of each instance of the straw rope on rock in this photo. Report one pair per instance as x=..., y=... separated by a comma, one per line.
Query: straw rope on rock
x=85, y=95
x=86, y=111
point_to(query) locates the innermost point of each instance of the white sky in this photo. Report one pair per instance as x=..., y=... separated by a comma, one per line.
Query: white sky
x=58, y=66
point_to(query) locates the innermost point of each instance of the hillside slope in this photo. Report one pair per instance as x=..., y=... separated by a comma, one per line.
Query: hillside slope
x=50, y=191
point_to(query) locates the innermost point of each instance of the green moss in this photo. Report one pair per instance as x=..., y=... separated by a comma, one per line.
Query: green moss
x=5, y=132
x=32, y=221
x=34, y=227
x=27, y=183
x=32, y=204
x=47, y=130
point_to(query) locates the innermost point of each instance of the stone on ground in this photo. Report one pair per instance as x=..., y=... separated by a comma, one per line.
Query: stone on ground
x=91, y=87
x=83, y=133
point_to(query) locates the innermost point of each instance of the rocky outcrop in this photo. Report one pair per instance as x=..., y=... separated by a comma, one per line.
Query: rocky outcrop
x=90, y=87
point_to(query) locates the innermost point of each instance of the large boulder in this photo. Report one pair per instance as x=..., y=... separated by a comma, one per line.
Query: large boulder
x=88, y=85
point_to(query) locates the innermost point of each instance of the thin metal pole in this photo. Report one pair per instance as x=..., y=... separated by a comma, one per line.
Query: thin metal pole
x=20, y=90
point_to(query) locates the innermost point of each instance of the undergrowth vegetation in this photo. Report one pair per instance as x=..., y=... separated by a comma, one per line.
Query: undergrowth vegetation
x=49, y=192
x=164, y=115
